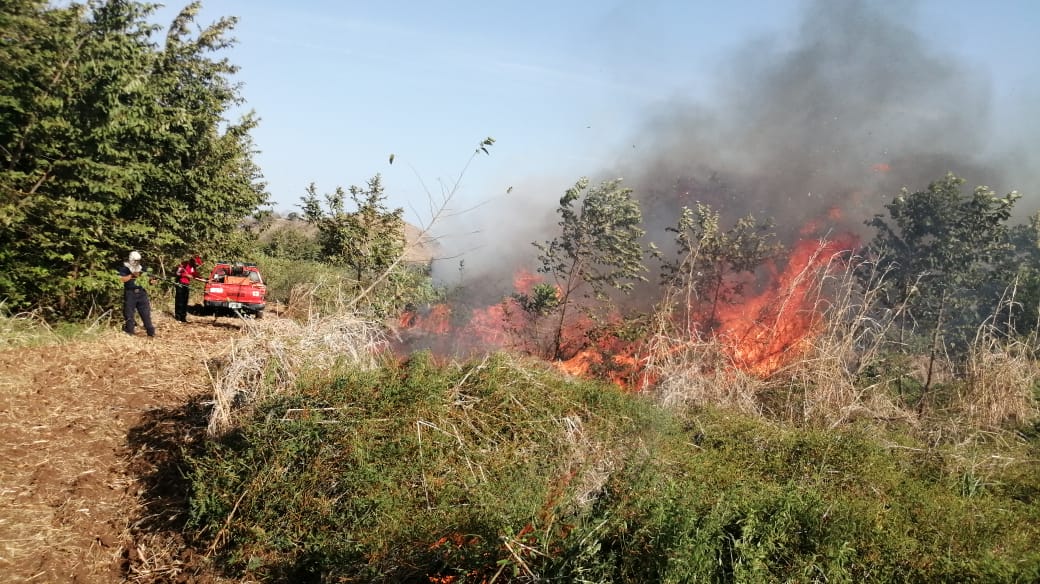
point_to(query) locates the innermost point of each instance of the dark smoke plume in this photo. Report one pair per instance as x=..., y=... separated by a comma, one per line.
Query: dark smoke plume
x=855, y=106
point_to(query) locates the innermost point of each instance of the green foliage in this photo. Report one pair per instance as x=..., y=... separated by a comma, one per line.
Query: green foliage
x=282, y=276
x=364, y=475
x=319, y=288
x=709, y=259
x=110, y=143
x=599, y=241
x=599, y=246
x=1023, y=313
x=368, y=240
x=939, y=252
x=496, y=471
x=542, y=299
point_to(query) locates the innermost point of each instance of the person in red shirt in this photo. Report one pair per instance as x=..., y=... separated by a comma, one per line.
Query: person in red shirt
x=186, y=272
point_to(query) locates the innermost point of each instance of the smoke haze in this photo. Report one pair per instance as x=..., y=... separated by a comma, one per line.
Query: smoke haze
x=856, y=106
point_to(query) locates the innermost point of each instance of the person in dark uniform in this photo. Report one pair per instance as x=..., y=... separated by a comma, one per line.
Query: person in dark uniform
x=135, y=296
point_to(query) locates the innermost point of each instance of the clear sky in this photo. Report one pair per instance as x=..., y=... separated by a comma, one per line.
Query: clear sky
x=563, y=86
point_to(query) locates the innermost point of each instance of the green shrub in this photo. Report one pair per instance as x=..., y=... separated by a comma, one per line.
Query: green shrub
x=500, y=470
x=281, y=275
x=326, y=289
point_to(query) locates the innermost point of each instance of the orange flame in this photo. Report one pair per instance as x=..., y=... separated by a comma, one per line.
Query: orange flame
x=623, y=369
x=767, y=332
x=599, y=353
x=524, y=281
x=436, y=321
x=761, y=334
x=496, y=326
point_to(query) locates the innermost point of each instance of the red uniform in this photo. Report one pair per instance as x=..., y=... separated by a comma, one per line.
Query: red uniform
x=186, y=272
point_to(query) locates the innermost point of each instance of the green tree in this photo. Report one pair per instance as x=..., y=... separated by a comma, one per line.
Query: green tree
x=939, y=254
x=108, y=143
x=598, y=249
x=367, y=240
x=1022, y=309
x=707, y=259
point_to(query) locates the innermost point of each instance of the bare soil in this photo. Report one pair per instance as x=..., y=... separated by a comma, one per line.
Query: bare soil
x=92, y=438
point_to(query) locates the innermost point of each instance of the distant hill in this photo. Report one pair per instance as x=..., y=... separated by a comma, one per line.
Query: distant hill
x=421, y=248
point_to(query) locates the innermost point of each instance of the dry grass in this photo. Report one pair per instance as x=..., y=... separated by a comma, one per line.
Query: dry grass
x=23, y=329
x=272, y=355
x=31, y=328
x=591, y=461
x=66, y=407
x=825, y=386
x=822, y=382
x=851, y=338
x=697, y=373
x=690, y=369
x=329, y=295
x=1001, y=377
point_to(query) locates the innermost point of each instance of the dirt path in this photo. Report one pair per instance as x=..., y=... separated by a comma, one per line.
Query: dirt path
x=89, y=432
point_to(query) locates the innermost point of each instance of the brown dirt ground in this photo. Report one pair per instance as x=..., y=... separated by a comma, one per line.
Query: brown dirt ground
x=91, y=436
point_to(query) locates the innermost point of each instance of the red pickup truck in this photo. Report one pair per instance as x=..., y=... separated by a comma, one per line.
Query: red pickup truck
x=235, y=288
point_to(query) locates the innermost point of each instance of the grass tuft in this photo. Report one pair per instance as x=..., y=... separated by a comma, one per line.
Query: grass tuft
x=274, y=353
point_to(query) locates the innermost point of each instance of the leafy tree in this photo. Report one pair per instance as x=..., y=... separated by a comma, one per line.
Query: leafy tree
x=940, y=254
x=709, y=258
x=109, y=142
x=598, y=248
x=1023, y=308
x=367, y=240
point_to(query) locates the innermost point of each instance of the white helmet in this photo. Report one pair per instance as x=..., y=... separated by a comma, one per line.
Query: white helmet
x=135, y=256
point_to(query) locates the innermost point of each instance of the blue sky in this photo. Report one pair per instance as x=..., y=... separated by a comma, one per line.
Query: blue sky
x=563, y=87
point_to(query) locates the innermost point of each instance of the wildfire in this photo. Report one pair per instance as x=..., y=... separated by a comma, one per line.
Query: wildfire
x=761, y=333
x=524, y=281
x=623, y=368
x=436, y=321
x=768, y=331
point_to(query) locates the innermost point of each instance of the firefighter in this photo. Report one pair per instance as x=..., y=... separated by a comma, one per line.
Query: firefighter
x=135, y=297
x=186, y=272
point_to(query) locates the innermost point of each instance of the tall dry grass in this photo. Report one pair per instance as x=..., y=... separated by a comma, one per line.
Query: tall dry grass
x=818, y=385
x=852, y=336
x=272, y=355
x=323, y=328
x=31, y=328
x=845, y=373
x=25, y=328
x=695, y=372
x=1001, y=380
x=1001, y=374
